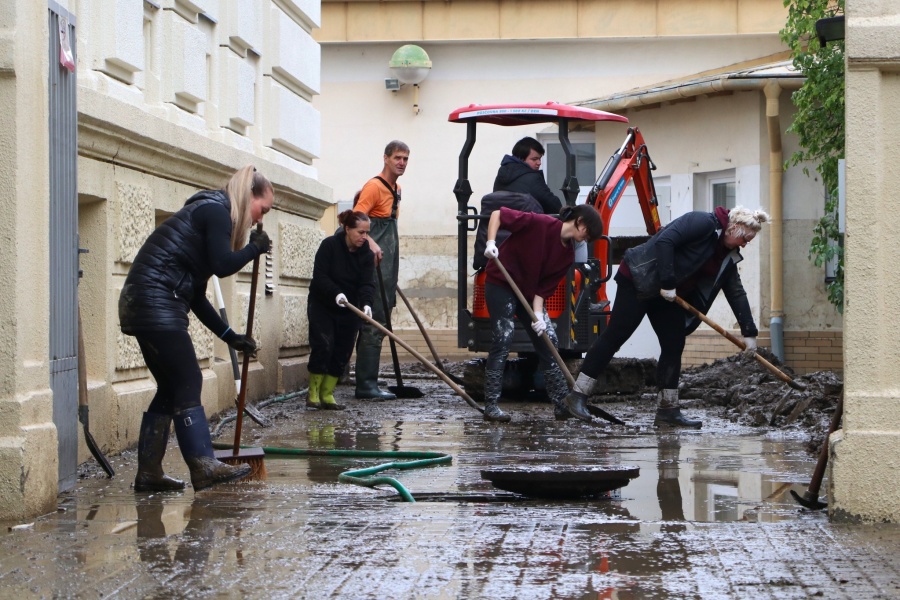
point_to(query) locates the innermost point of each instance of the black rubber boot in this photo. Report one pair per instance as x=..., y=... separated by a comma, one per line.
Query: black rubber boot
x=493, y=385
x=673, y=418
x=577, y=405
x=192, y=430
x=367, y=360
x=668, y=413
x=151, y=449
x=555, y=384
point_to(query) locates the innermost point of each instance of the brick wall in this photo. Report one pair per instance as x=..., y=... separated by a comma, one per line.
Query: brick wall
x=806, y=351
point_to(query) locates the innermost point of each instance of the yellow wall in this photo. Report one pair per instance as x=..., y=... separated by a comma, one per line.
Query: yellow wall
x=370, y=21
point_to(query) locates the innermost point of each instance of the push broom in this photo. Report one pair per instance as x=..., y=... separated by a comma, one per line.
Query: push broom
x=255, y=457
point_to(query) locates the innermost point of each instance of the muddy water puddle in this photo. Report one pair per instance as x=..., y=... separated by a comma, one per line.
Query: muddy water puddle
x=302, y=533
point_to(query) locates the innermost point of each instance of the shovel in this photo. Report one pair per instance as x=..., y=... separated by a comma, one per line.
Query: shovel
x=400, y=390
x=83, y=404
x=418, y=356
x=739, y=343
x=437, y=359
x=810, y=499
x=594, y=410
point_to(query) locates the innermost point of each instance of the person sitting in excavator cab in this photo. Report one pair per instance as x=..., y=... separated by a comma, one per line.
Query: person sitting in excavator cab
x=521, y=172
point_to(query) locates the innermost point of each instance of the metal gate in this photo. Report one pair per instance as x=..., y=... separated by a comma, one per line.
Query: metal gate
x=63, y=229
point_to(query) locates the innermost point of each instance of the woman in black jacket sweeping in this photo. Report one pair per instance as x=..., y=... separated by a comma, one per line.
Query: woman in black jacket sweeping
x=694, y=256
x=344, y=271
x=167, y=280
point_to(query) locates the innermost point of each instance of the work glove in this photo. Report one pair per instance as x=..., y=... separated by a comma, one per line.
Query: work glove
x=750, y=342
x=261, y=240
x=668, y=295
x=245, y=344
x=539, y=326
x=367, y=310
x=490, y=250
x=340, y=299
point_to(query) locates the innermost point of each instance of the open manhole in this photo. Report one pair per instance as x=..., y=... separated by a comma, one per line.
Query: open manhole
x=560, y=481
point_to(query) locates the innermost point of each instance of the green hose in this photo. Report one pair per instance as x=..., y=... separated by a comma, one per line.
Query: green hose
x=358, y=476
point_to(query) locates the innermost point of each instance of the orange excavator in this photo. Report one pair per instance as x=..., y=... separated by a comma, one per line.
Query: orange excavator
x=579, y=308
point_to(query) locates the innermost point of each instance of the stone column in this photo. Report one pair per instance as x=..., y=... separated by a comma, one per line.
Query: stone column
x=865, y=455
x=28, y=442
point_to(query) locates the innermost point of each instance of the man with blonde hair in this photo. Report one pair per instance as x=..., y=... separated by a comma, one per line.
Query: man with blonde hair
x=694, y=257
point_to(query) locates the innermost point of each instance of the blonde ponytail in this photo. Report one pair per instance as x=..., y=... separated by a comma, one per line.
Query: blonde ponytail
x=243, y=186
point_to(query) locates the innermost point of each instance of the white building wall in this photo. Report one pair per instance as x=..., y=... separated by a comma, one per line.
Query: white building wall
x=687, y=141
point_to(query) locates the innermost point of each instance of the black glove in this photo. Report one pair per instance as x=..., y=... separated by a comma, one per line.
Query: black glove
x=261, y=240
x=243, y=343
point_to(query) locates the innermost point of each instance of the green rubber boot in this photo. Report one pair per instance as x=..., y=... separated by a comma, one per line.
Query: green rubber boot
x=313, y=397
x=327, y=393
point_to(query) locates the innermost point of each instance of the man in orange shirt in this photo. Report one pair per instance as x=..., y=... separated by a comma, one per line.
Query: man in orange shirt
x=380, y=199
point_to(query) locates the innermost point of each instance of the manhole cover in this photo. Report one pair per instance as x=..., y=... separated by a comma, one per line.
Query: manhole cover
x=552, y=481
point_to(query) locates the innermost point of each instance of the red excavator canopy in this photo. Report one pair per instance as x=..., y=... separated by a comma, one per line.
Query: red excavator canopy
x=523, y=114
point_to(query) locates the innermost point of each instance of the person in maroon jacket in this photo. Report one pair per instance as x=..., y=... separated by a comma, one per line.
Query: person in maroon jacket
x=537, y=254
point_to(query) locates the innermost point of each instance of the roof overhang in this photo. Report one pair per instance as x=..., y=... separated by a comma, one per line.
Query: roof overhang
x=741, y=80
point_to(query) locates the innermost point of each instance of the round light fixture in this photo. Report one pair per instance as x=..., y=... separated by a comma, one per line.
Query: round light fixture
x=410, y=64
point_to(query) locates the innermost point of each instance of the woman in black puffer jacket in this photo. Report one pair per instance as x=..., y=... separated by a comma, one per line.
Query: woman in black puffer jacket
x=166, y=281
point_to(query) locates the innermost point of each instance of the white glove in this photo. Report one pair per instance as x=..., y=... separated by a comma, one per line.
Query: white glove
x=490, y=250
x=750, y=342
x=668, y=295
x=340, y=299
x=539, y=326
x=367, y=310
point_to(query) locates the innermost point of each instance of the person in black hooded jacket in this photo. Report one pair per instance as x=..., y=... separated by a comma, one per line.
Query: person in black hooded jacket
x=167, y=280
x=695, y=256
x=521, y=172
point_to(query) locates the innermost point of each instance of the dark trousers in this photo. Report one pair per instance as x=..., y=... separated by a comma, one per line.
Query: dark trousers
x=384, y=232
x=331, y=339
x=503, y=305
x=172, y=361
x=668, y=321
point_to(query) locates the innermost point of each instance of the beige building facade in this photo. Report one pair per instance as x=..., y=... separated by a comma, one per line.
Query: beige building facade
x=865, y=454
x=172, y=96
x=617, y=57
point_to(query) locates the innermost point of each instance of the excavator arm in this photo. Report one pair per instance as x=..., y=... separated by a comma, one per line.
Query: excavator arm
x=630, y=163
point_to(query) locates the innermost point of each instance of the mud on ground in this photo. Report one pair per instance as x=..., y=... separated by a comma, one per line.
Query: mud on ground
x=737, y=388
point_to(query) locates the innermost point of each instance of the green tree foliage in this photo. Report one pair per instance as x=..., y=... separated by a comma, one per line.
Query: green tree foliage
x=819, y=122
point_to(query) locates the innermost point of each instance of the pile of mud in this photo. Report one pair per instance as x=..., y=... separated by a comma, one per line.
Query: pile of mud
x=749, y=394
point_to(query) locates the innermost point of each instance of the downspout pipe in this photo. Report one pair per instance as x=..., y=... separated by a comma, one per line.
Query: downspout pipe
x=776, y=231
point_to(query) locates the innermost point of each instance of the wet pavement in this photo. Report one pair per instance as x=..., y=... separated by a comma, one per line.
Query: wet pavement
x=710, y=516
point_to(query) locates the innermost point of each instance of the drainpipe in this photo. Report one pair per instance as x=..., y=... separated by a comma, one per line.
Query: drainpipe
x=776, y=232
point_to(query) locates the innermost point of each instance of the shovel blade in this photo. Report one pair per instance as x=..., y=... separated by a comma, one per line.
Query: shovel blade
x=809, y=501
x=599, y=412
x=405, y=391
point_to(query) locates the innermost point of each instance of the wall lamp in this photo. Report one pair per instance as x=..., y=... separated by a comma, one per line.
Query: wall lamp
x=410, y=65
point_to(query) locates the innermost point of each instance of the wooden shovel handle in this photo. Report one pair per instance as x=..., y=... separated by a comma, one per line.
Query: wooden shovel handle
x=418, y=356
x=739, y=343
x=245, y=366
x=521, y=297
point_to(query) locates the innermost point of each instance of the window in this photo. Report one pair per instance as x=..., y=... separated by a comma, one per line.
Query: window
x=554, y=164
x=715, y=189
x=723, y=194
